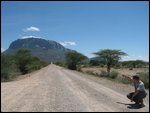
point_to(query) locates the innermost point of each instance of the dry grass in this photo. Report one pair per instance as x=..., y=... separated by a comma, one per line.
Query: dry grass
x=125, y=71
x=97, y=71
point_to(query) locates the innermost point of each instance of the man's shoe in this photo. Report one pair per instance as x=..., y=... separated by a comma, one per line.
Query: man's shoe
x=141, y=105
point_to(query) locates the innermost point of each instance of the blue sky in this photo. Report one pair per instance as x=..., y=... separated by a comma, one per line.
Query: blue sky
x=83, y=26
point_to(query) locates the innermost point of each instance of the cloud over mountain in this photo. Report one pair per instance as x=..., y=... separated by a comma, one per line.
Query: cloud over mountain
x=31, y=29
x=30, y=36
x=68, y=43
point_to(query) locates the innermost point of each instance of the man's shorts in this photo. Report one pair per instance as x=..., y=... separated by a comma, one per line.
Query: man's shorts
x=138, y=97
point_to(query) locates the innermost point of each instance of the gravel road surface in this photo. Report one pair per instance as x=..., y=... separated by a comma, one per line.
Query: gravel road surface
x=55, y=89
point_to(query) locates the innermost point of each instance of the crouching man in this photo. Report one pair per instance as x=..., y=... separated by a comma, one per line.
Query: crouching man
x=139, y=93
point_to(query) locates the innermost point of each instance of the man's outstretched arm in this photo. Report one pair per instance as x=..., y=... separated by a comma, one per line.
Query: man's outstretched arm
x=127, y=77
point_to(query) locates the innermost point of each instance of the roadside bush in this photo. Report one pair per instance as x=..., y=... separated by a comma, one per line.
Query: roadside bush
x=113, y=74
x=21, y=63
x=94, y=63
x=35, y=64
x=28, y=63
x=74, y=58
x=89, y=72
x=9, y=69
x=23, y=58
x=104, y=73
x=78, y=68
x=123, y=80
x=62, y=64
x=144, y=76
x=102, y=65
x=134, y=64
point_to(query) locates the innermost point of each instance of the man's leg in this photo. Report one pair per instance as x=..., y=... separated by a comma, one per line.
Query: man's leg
x=141, y=96
x=135, y=99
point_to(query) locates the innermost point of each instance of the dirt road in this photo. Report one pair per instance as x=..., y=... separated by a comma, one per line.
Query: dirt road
x=57, y=89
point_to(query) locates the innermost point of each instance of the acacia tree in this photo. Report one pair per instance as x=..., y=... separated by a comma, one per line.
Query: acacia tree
x=110, y=56
x=73, y=58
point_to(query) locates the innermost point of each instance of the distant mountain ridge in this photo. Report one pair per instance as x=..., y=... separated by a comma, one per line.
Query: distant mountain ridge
x=47, y=50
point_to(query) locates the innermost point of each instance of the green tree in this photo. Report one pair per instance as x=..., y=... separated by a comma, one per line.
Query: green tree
x=34, y=64
x=73, y=58
x=134, y=64
x=94, y=63
x=23, y=58
x=9, y=68
x=20, y=63
x=110, y=56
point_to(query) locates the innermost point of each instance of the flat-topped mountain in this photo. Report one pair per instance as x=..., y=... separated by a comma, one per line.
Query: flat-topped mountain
x=46, y=50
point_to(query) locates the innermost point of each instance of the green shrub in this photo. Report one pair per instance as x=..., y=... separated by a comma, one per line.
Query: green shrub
x=21, y=63
x=78, y=68
x=62, y=64
x=113, y=74
x=23, y=58
x=102, y=65
x=9, y=69
x=144, y=76
x=134, y=64
x=89, y=72
x=73, y=58
x=123, y=80
x=35, y=64
x=104, y=73
x=94, y=63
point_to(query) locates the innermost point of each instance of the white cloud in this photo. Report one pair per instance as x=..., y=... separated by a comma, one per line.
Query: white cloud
x=24, y=37
x=32, y=29
x=2, y=50
x=68, y=43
